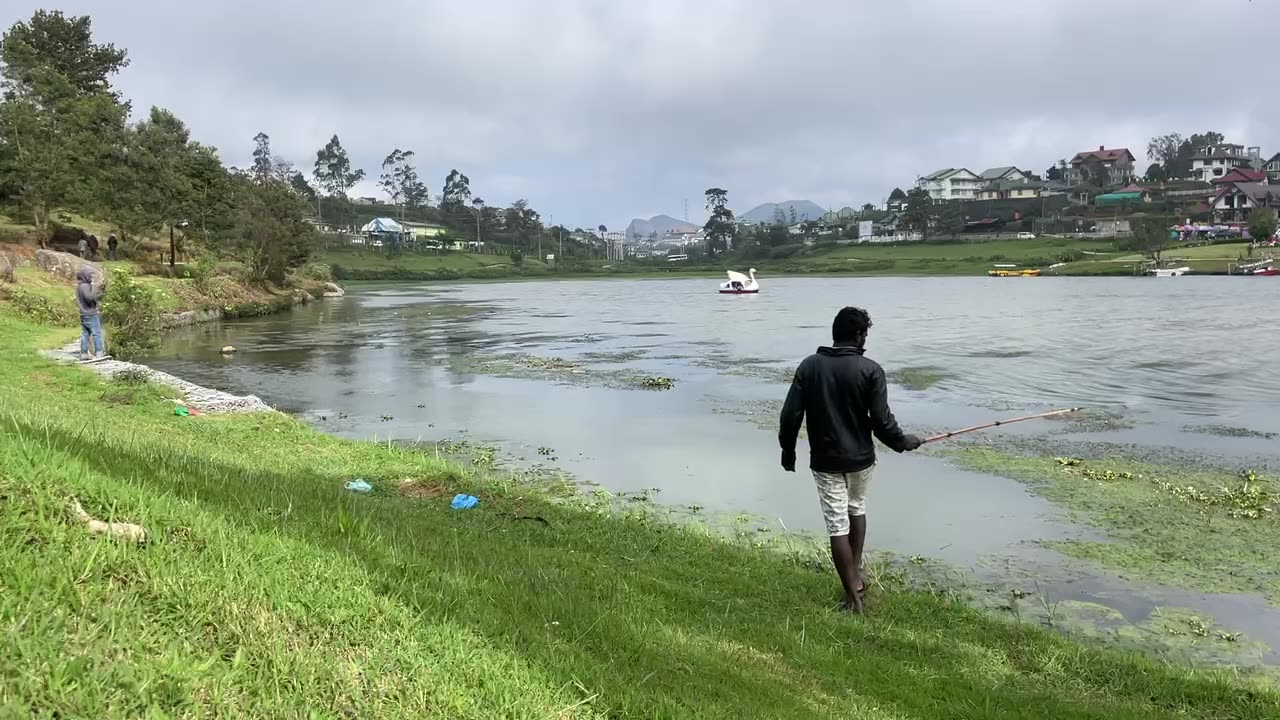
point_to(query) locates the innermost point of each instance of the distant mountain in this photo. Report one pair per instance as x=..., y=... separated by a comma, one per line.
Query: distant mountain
x=805, y=210
x=661, y=224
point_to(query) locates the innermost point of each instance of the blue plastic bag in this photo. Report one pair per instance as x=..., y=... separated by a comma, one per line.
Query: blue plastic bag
x=359, y=486
x=464, y=502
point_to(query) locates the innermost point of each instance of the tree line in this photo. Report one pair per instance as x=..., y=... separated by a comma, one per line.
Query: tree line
x=68, y=144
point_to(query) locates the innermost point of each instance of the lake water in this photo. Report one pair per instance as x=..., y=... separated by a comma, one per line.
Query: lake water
x=431, y=362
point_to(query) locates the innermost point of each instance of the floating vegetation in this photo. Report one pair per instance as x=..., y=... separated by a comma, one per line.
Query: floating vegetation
x=553, y=364
x=1230, y=431
x=1095, y=420
x=617, y=357
x=1174, y=522
x=761, y=413
x=918, y=378
x=993, y=353
x=562, y=370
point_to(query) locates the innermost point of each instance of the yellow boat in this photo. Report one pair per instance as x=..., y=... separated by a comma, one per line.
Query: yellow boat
x=1030, y=272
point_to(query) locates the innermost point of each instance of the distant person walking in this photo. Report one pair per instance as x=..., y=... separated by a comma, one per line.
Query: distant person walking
x=83, y=247
x=93, y=247
x=843, y=397
x=87, y=297
x=112, y=244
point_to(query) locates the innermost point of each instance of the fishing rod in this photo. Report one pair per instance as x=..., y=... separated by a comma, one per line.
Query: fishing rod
x=998, y=423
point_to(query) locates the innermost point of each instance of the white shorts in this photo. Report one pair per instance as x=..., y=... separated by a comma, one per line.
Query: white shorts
x=842, y=495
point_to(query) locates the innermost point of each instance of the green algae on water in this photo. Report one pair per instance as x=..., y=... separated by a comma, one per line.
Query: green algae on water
x=1230, y=431
x=1178, y=525
x=920, y=377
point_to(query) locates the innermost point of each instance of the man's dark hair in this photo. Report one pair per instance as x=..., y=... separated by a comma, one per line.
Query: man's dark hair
x=850, y=326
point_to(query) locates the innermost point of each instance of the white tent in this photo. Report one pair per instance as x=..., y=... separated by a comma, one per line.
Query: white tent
x=383, y=226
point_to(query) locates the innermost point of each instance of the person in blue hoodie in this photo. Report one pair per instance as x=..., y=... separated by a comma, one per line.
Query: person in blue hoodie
x=843, y=398
x=87, y=297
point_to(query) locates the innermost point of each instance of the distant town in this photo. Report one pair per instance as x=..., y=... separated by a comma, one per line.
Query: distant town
x=1202, y=181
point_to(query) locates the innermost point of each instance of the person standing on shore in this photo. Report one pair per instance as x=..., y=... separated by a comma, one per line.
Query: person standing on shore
x=112, y=244
x=87, y=297
x=843, y=398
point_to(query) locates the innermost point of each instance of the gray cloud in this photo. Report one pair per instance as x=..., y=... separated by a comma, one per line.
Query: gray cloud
x=601, y=111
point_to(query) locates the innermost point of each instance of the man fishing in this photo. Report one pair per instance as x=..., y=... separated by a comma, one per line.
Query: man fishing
x=844, y=398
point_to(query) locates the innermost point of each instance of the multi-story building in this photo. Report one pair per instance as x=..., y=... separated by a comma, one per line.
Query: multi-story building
x=1115, y=163
x=951, y=184
x=1214, y=161
x=1017, y=189
x=1273, y=166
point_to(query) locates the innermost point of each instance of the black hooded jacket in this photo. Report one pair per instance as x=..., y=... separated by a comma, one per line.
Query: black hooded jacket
x=845, y=399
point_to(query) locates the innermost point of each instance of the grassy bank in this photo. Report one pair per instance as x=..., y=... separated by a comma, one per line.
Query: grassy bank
x=1083, y=257
x=267, y=590
x=223, y=287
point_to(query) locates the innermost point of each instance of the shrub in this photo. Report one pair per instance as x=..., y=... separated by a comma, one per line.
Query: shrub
x=785, y=251
x=39, y=308
x=201, y=272
x=131, y=314
x=318, y=271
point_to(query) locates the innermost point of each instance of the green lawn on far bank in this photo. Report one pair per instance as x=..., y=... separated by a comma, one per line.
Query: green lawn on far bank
x=1074, y=256
x=266, y=590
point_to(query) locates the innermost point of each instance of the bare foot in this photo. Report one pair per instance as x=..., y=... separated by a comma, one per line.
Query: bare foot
x=853, y=604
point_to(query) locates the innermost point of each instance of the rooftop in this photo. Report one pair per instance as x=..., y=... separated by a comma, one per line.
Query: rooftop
x=940, y=174
x=1246, y=175
x=1102, y=153
x=1221, y=151
x=996, y=173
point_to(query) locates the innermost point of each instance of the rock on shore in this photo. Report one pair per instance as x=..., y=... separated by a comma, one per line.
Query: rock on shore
x=201, y=398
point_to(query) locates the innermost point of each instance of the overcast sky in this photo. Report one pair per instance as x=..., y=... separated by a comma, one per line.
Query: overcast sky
x=598, y=112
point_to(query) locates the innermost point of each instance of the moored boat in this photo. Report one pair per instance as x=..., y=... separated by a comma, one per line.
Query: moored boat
x=1262, y=268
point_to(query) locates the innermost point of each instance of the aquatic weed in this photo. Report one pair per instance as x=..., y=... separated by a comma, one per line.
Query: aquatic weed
x=918, y=378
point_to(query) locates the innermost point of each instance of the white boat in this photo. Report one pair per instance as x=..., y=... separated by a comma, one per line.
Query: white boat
x=740, y=284
x=1168, y=272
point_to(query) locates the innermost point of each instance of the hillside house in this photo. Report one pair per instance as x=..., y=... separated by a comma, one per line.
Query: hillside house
x=427, y=233
x=951, y=184
x=1007, y=172
x=1235, y=202
x=1215, y=161
x=1013, y=189
x=1117, y=162
x=897, y=201
x=1239, y=175
x=1272, y=167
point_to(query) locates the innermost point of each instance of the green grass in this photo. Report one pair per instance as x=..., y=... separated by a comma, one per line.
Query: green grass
x=1158, y=533
x=376, y=259
x=267, y=591
x=945, y=258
